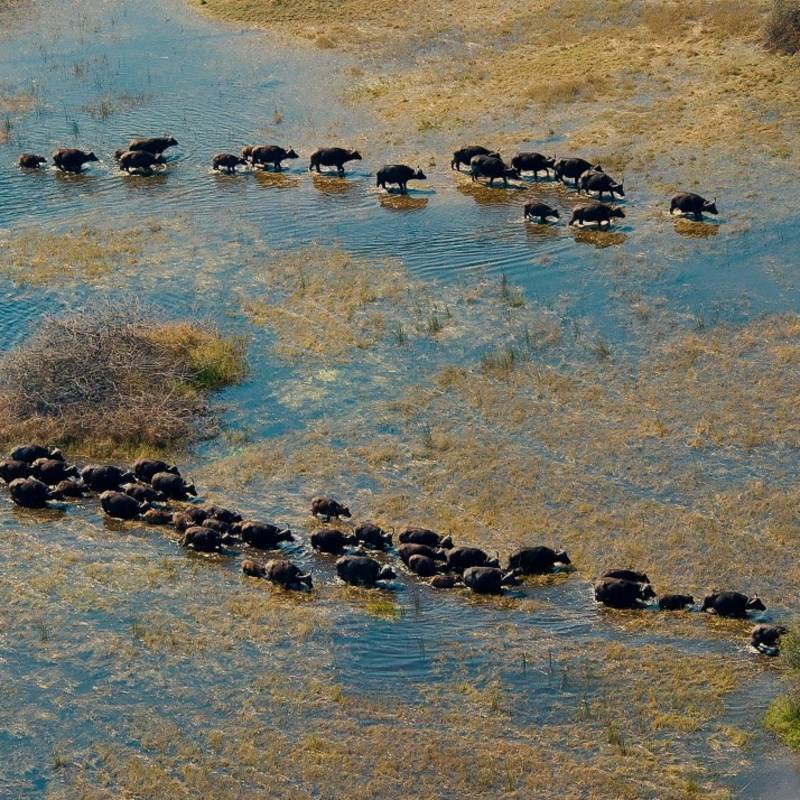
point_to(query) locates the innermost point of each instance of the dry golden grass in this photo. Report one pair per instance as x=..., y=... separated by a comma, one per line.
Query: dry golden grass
x=683, y=80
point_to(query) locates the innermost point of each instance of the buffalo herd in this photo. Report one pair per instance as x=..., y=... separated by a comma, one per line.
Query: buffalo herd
x=154, y=492
x=143, y=156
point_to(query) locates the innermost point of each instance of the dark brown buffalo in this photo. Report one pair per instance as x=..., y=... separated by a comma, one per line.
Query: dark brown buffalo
x=466, y=154
x=29, y=492
x=363, y=571
x=537, y=560
x=332, y=157
x=692, y=204
x=541, y=212
x=267, y=154
x=398, y=174
x=121, y=505
x=327, y=508
x=595, y=213
x=68, y=159
x=731, y=604
x=154, y=145
x=145, y=468
x=31, y=161
x=226, y=162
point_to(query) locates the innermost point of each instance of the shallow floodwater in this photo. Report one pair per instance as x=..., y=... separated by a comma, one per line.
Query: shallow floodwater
x=112, y=70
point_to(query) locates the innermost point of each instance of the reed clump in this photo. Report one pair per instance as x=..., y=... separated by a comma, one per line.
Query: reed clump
x=116, y=378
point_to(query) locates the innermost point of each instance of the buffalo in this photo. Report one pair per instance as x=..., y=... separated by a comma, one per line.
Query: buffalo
x=29, y=492
x=154, y=145
x=52, y=471
x=424, y=566
x=69, y=488
x=331, y=541
x=461, y=558
x=363, y=571
x=398, y=174
x=99, y=477
x=595, y=213
x=537, y=560
x=675, y=602
x=286, y=574
x=145, y=468
x=372, y=536
x=226, y=162
x=201, y=539
x=426, y=537
x=262, y=535
x=618, y=593
x=406, y=551
x=600, y=182
x=541, y=212
x=157, y=516
x=172, y=486
x=68, y=159
x=30, y=452
x=692, y=204
x=466, y=154
x=573, y=168
x=533, y=162
x=142, y=492
x=139, y=162
x=332, y=157
x=11, y=470
x=766, y=638
x=488, y=580
x=265, y=155
x=731, y=604
x=31, y=161
x=491, y=168
x=327, y=508
x=121, y=506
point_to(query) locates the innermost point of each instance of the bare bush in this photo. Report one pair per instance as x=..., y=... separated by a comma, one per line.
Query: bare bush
x=783, y=26
x=113, y=376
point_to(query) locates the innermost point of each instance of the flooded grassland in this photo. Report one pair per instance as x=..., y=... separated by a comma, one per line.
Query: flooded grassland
x=431, y=360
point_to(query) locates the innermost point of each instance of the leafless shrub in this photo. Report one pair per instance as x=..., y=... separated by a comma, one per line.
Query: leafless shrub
x=783, y=26
x=112, y=376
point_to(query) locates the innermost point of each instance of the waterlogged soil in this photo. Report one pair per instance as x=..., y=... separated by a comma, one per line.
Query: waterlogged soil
x=432, y=359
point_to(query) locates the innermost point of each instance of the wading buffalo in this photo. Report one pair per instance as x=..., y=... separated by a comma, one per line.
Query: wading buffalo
x=537, y=560
x=363, y=571
x=618, y=593
x=201, y=539
x=398, y=174
x=766, y=638
x=264, y=155
x=327, y=508
x=461, y=558
x=488, y=580
x=731, y=604
x=31, y=161
x=68, y=159
x=29, y=492
x=533, y=162
x=491, y=168
x=145, y=468
x=286, y=574
x=99, y=477
x=594, y=181
x=595, y=214
x=466, y=154
x=172, y=486
x=139, y=162
x=226, y=162
x=541, y=212
x=331, y=541
x=693, y=204
x=11, y=470
x=262, y=535
x=155, y=144
x=52, y=470
x=426, y=537
x=407, y=551
x=30, y=452
x=332, y=157
x=573, y=168
x=121, y=506
x=372, y=536
x=675, y=602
